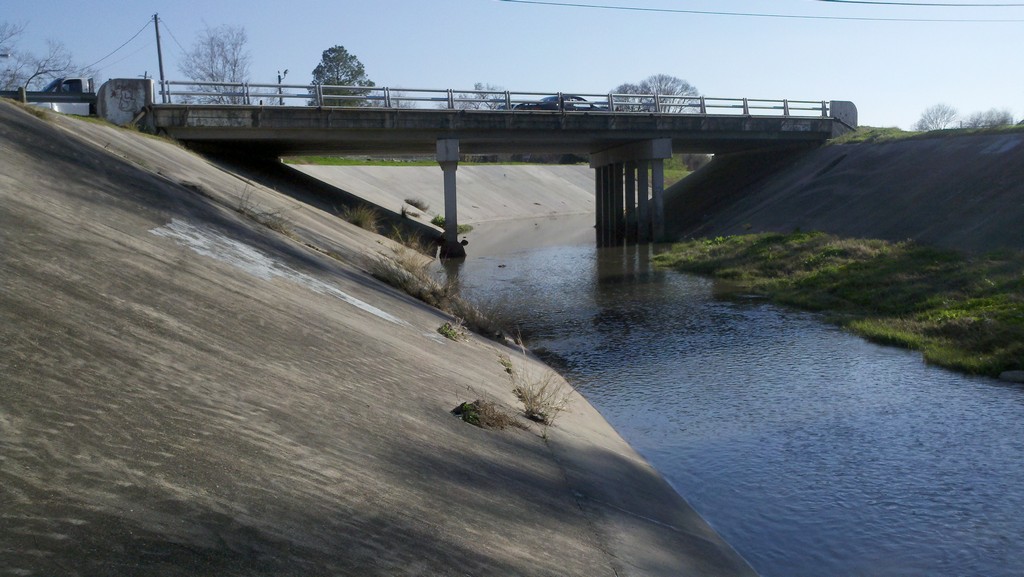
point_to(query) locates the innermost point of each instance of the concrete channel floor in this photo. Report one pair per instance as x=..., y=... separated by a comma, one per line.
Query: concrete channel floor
x=186, y=392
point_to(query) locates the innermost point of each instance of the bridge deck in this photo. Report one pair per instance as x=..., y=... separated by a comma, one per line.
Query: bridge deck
x=347, y=130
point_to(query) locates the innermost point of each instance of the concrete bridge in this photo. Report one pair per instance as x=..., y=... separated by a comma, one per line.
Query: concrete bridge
x=626, y=136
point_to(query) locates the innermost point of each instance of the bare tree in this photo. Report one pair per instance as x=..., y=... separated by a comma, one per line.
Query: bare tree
x=401, y=99
x=989, y=118
x=676, y=89
x=26, y=69
x=483, y=97
x=668, y=85
x=937, y=117
x=9, y=74
x=8, y=34
x=56, y=63
x=218, y=55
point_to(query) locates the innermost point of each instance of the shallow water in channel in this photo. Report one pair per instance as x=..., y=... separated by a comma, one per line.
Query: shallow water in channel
x=813, y=452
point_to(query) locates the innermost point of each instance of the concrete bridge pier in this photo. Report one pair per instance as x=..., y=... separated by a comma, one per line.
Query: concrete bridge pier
x=629, y=183
x=448, y=158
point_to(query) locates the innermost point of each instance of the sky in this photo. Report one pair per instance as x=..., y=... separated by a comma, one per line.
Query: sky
x=891, y=59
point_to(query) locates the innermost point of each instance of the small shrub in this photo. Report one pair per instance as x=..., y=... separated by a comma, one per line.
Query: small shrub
x=246, y=207
x=418, y=203
x=439, y=221
x=453, y=330
x=362, y=216
x=412, y=241
x=505, y=362
x=485, y=415
x=543, y=397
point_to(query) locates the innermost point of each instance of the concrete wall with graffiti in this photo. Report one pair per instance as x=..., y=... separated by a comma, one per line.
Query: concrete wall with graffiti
x=121, y=100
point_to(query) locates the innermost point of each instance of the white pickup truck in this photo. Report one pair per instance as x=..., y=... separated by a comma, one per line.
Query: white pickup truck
x=70, y=87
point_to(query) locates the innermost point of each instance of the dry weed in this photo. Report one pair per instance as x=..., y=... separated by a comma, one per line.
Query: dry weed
x=544, y=396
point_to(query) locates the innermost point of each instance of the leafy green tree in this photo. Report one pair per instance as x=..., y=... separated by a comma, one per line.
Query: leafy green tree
x=339, y=67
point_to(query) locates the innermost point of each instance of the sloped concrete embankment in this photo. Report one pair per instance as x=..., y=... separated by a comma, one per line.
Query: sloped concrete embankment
x=961, y=192
x=486, y=192
x=186, y=392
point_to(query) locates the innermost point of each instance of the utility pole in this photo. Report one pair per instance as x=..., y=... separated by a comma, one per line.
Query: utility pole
x=160, y=58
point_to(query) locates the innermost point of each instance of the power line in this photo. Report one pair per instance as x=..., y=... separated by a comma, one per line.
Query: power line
x=144, y=26
x=173, y=37
x=926, y=4
x=758, y=14
x=116, y=62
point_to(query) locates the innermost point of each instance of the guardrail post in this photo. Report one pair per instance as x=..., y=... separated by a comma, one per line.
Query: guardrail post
x=508, y=100
x=387, y=97
x=22, y=95
x=657, y=103
x=451, y=99
x=785, y=107
x=703, y=106
x=611, y=102
x=746, y=107
x=824, y=109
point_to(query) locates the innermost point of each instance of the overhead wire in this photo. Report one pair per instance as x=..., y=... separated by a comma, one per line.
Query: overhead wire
x=127, y=56
x=173, y=37
x=114, y=51
x=928, y=4
x=759, y=14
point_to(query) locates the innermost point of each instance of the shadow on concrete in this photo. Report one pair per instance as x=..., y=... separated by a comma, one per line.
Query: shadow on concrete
x=276, y=175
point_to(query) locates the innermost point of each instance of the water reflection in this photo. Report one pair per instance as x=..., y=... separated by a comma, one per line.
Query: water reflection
x=811, y=451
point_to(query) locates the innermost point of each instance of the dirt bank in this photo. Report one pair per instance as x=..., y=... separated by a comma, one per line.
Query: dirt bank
x=187, y=392
x=964, y=192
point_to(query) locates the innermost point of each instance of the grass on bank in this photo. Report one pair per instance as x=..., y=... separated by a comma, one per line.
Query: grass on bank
x=675, y=170
x=408, y=270
x=962, y=312
x=362, y=215
x=439, y=221
x=873, y=134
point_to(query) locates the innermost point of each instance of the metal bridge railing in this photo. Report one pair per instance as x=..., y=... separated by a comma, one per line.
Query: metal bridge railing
x=319, y=95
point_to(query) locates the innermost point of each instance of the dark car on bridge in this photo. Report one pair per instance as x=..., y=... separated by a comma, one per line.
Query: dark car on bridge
x=568, y=102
